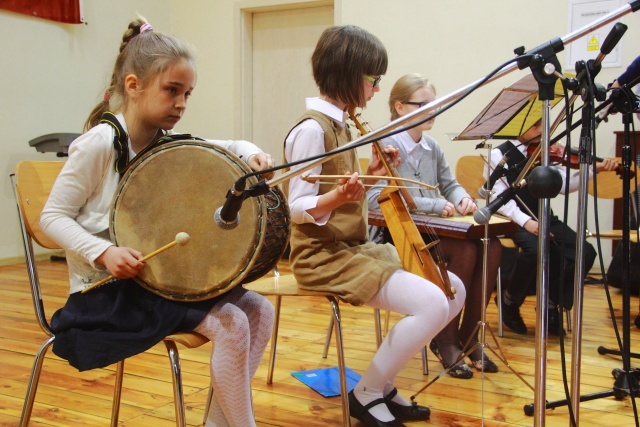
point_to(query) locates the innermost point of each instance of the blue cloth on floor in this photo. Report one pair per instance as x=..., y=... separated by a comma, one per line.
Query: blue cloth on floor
x=326, y=381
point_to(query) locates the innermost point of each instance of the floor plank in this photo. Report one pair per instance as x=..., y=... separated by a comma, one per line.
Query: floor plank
x=68, y=398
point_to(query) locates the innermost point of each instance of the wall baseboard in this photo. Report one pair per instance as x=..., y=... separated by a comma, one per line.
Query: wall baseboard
x=39, y=257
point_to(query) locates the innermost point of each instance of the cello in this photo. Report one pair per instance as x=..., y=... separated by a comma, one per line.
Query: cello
x=415, y=254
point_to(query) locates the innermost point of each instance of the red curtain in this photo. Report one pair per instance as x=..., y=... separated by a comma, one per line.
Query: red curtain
x=57, y=10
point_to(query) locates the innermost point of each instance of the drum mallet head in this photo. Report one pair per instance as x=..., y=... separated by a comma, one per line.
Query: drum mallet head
x=182, y=238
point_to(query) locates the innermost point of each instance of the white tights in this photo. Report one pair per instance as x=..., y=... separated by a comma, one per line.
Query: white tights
x=427, y=311
x=239, y=326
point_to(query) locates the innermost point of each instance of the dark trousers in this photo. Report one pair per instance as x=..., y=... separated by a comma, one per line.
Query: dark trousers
x=521, y=274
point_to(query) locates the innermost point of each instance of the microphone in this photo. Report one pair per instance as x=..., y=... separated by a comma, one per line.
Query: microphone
x=611, y=41
x=482, y=216
x=498, y=172
x=227, y=216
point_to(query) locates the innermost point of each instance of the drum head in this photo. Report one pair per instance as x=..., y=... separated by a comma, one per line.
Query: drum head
x=177, y=187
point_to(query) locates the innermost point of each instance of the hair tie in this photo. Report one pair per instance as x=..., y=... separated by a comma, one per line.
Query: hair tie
x=107, y=96
x=145, y=27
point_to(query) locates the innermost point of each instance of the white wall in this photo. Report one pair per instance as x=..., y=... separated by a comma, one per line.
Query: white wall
x=53, y=73
x=52, y=76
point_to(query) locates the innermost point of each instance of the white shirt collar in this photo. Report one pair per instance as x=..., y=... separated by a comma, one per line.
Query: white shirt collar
x=327, y=109
x=409, y=145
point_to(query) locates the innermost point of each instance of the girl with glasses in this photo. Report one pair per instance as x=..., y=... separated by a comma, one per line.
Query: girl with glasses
x=423, y=159
x=329, y=248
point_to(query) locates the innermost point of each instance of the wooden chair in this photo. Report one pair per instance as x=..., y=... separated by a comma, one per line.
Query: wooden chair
x=286, y=286
x=32, y=183
x=610, y=187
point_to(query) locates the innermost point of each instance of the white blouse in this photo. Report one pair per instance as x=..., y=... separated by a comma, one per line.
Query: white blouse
x=76, y=215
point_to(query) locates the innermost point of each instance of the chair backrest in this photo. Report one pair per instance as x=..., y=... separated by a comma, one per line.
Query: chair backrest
x=609, y=184
x=470, y=174
x=33, y=183
x=364, y=164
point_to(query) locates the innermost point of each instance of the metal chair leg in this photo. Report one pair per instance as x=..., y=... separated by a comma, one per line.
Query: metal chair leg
x=117, y=394
x=274, y=340
x=344, y=393
x=499, y=299
x=178, y=397
x=376, y=323
x=425, y=362
x=208, y=404
x=32, y=387
x=378, y=326
x=327, y=342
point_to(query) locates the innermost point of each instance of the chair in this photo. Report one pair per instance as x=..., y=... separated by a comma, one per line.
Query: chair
x=610, y=187
x=32, y=183
x=286, y=286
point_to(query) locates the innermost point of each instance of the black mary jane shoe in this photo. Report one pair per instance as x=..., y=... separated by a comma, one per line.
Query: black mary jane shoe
x=362, y=414
x=413, y=412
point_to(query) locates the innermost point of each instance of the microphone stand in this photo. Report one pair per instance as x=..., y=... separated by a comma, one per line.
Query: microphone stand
x=589, y=91
x=626, y=380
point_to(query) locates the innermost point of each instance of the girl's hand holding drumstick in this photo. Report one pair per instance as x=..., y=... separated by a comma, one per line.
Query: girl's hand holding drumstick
x=127, y=270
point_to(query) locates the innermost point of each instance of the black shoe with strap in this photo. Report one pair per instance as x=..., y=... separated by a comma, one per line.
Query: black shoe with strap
x=362, y=414
x=413, y=412
x=511, y=317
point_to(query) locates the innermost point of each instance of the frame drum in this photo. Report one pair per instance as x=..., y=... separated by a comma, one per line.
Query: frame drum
x=177, y=187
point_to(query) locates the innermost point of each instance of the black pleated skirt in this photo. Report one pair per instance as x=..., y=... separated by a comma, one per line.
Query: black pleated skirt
x=119, y=320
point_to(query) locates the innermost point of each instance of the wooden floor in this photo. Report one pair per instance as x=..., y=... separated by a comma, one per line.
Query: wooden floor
x=68, y=398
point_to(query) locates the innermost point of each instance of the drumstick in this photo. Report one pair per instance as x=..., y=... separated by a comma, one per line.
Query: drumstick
x=182, y=239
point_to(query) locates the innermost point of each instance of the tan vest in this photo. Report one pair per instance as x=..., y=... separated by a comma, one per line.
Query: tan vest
x=348, y=222
x=337, y=256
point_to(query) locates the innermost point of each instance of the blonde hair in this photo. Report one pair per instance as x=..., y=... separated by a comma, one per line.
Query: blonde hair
x=145, y=53
x=404, y=88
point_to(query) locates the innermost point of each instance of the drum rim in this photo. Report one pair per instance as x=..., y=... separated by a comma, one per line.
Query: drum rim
x=262, y=217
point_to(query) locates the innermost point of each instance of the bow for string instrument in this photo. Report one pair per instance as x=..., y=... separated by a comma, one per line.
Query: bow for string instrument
x=570, y=159
x=416, y=256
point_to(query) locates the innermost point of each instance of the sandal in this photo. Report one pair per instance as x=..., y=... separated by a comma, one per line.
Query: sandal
x=461, y=370
x=484, y=365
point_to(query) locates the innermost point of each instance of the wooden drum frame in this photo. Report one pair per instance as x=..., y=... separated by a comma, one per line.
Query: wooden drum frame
x=176, y=187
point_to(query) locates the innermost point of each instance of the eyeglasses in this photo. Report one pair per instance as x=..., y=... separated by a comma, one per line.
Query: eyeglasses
x=417, y=104
x=374, y=80
x=422, y=104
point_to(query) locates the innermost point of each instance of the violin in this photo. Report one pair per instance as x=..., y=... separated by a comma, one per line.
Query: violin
x=416, y=256
x=569, y=158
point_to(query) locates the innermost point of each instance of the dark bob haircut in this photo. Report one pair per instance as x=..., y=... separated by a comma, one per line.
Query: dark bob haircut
x=342, y=56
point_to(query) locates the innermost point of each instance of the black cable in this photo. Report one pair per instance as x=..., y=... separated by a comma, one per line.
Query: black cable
x=563, y=362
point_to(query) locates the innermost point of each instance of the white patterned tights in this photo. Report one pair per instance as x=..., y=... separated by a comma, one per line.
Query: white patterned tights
x=239, y=326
